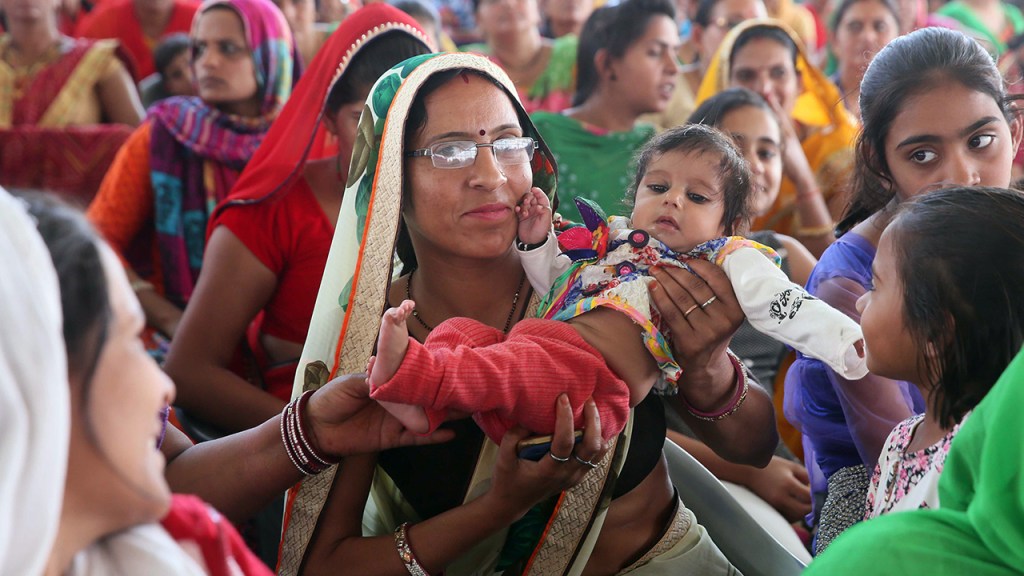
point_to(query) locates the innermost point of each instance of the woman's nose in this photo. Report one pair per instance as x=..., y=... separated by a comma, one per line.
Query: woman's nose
x=964, y=171
x=487, y=172
x=756, y=166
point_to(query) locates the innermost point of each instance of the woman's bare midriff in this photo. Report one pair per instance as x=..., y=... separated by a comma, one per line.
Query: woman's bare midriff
x=634, y=523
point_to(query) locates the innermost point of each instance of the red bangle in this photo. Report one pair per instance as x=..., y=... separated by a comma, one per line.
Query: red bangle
x=300, y=450
x=742, y=385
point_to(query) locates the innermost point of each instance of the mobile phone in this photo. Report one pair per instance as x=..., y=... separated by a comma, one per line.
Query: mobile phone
x=535, y=447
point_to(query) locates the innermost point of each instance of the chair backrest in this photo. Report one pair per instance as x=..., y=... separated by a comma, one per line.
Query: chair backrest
x=749, y=547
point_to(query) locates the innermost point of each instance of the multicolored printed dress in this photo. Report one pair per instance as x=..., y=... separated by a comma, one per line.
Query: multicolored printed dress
x=906, y=480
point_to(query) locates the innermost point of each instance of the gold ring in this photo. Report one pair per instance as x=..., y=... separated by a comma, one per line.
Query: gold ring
x=690, y=309
x=708, y=302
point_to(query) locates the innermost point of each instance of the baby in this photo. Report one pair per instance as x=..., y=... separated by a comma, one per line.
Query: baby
x=692, y=190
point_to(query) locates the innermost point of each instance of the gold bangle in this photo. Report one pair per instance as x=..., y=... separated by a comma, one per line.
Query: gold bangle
x=405, y=552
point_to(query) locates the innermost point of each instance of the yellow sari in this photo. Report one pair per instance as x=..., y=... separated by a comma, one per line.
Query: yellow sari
x=830, y=130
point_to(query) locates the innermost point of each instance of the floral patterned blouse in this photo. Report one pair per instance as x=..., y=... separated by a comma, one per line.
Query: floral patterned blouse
x=907, y=480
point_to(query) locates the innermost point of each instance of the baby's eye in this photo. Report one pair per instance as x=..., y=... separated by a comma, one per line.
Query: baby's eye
x=657, y=188
x=923, y=156
x=696, y=198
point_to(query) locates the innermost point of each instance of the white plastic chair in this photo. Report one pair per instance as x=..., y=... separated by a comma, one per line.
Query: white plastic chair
x=749, y=547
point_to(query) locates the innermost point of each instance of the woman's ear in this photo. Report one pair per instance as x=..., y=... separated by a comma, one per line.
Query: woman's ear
x=330, y=121
x=603, y=64
x=1016, y=128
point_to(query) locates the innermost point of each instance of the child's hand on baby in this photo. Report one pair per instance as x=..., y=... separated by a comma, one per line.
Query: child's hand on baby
x=534, y=212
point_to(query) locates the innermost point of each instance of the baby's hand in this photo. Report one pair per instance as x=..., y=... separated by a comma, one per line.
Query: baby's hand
x=534, y=211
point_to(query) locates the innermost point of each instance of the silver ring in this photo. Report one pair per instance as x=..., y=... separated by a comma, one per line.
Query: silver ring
x=557, y=459
x=708, y=302
x=586, y=463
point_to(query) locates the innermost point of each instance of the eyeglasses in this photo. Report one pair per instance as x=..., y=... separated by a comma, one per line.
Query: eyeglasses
x=462, y=153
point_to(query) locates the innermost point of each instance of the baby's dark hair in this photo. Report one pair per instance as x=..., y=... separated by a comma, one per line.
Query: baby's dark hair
x=959, y=254
x=712, y=111
x=170, y=48
x=733, y=172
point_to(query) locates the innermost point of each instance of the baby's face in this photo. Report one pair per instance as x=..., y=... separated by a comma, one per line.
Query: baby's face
x=680, y=200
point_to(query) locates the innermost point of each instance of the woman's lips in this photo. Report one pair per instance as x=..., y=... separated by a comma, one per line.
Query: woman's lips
x=490, y=212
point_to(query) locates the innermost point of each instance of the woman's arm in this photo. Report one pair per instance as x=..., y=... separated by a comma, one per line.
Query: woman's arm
x=813, y=213
x=517, y=486
x=119, y=99
x=241, y=473
x=213, y=326
x=121, y=210
x=700, y=338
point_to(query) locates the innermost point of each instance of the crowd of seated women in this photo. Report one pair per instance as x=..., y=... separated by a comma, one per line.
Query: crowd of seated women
x=245, y=192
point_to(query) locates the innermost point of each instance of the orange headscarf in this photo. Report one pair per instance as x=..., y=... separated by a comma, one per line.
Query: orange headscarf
x=831, y=129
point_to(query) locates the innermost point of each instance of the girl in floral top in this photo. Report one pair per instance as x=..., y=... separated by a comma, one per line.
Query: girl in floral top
x=944, y=313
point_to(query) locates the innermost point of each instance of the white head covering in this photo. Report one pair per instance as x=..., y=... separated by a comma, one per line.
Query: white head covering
x=35, y=423
x=34, y=405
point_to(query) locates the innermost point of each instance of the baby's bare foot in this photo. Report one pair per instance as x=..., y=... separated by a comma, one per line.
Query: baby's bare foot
x=392, y=342
x=413, y=417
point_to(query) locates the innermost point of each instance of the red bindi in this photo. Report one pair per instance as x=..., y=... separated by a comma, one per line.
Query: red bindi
x=483, y=132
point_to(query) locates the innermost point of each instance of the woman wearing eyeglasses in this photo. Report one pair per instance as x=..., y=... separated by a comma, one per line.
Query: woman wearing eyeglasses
x=454, y=507
x=268, y=242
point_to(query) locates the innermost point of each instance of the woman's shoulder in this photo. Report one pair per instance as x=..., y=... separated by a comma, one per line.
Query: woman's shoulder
x=291, y=207
x=850, y=256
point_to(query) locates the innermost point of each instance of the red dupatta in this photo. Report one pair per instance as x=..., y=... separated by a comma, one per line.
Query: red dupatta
x=298, y=133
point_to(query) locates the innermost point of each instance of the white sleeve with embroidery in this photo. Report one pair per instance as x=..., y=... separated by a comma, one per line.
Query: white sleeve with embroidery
x=544, y=264
x=783, y=310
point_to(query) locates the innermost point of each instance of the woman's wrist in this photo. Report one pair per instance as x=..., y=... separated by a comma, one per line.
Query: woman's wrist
x=739, y=394
x=709, y=387
x=299, y=441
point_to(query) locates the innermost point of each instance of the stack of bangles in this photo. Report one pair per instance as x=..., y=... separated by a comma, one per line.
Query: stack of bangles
x=742, y=385
x=300, y=450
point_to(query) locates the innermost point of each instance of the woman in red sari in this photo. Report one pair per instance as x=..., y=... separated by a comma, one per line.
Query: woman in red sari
x=274, y=232
x=55, y=91
x=138, y=25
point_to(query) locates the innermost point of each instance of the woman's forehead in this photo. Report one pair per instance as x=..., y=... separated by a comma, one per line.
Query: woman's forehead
x=467, y=100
